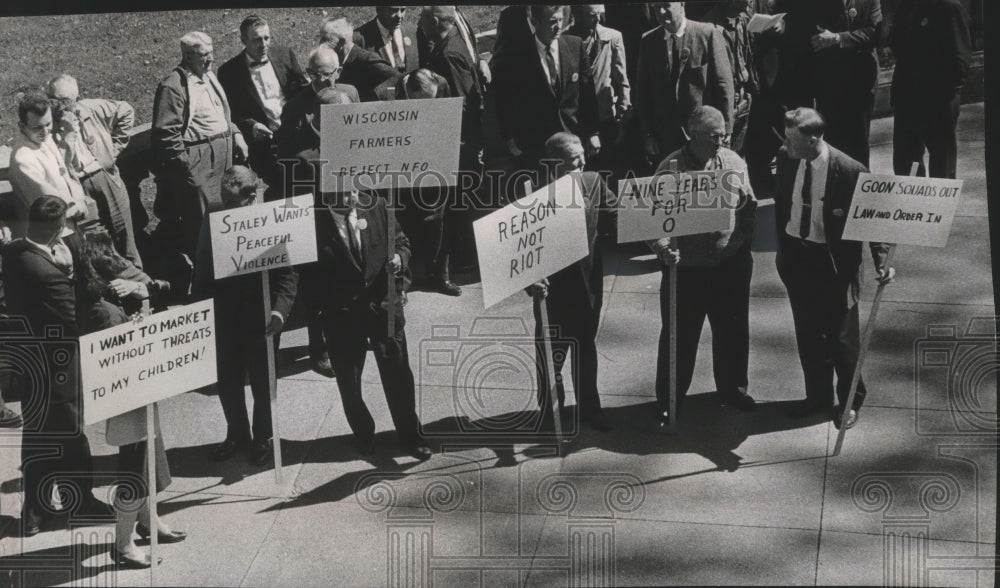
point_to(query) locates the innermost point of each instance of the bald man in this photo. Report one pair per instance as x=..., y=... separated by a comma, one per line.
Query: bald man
x=362, y=68
x=194, y=140
x=92, y=133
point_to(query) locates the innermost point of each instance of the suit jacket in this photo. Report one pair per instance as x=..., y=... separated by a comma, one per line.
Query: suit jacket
x=932, y=44
x=365, y=70
x=512, y=31
x=296, y=119
x=633, y=21
x=337, y=281
x=704, y=77
x=369, y=36
x=450, y=59
x=529, y=111
x=610, y=78
x=244, y=101
x=171, y=117
x=841, y=179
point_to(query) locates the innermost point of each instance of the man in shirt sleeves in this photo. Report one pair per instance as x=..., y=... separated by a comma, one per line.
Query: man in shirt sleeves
x=193, y=141
x=258, y=82
x=821, y=270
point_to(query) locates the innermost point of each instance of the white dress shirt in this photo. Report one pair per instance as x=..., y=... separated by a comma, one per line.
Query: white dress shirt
x=388, y=37
x=268, y=89
x=820, y=165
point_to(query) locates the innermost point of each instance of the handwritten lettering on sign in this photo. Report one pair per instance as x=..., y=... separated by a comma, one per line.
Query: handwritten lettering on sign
x=677, y=204
x=903, y=209
x=263, y=236
x=395, y=144
x=134, y=364
x=531, y=238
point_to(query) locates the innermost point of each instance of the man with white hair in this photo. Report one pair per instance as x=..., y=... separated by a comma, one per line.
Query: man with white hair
x=92, y=133
x=193, y=140
x=713, y=274
x=362, y=68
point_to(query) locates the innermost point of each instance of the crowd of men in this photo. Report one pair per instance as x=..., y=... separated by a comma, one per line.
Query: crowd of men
x=627, y=89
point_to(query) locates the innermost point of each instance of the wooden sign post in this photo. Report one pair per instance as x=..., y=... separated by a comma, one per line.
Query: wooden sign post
x=896, y=209
x=259, y=238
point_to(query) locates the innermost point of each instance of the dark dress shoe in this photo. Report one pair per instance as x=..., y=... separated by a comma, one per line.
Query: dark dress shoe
x=261, y=451
x=597, y=420
x=10, y=419
x=842, y=422
x=131, y=561
x=446, y=287
x=807, y=408
x=740, y=399
x=418, y=449
x=322, y=365
x=365, y=446
x=171, y=537
x=227, y=449
x=31, y=524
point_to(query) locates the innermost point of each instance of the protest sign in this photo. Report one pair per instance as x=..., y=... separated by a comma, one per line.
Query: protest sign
x=676, y=204
x=902, y=209
x=531, y=238
x=138, y=363
x=264, y=236
x=397, y=144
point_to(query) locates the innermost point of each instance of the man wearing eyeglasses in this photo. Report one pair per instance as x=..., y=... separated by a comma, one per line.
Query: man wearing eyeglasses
x=362, y=68
x=713, y=274
x=194, y=141
x=259, y=81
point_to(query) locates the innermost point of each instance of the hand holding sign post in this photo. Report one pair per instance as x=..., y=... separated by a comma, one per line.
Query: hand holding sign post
x=258, y=238
x=896, y=209
x=527, y=241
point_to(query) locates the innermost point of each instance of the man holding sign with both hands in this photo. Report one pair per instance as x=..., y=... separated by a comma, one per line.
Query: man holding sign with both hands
x=713, y=275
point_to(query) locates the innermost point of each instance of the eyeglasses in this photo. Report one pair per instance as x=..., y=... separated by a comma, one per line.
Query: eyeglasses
x=322, y=76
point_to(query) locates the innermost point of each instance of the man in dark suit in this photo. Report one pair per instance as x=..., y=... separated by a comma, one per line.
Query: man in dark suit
x=820, y=270
x=258, y=82
x=361, y=68
x=545, y=86
x=930, y=39
x=683, y=64
x=573, y=296
x=241, y=338
x=425, y=45
x=54, y=448
x=385, y=36
x=354, y=269
x=830, y=45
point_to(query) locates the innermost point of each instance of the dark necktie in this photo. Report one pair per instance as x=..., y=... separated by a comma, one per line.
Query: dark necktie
x=805, y=222
x=675, y=62
x=593, y=49
x=550, y=62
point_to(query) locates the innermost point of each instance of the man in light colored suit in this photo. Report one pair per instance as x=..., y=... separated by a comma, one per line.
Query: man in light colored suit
x=683, y=64
x=193, y=140
x=37, y=166
x=385, y=36
x=820, y=269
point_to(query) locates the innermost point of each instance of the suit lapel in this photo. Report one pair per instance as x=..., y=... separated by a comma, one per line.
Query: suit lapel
x=251, y=89
x=341, y=229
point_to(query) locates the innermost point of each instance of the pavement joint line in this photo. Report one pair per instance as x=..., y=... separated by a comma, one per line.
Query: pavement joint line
x=263, y=541
x=822, y=507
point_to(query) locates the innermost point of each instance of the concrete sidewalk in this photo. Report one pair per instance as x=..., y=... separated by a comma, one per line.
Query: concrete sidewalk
x=731, y=498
